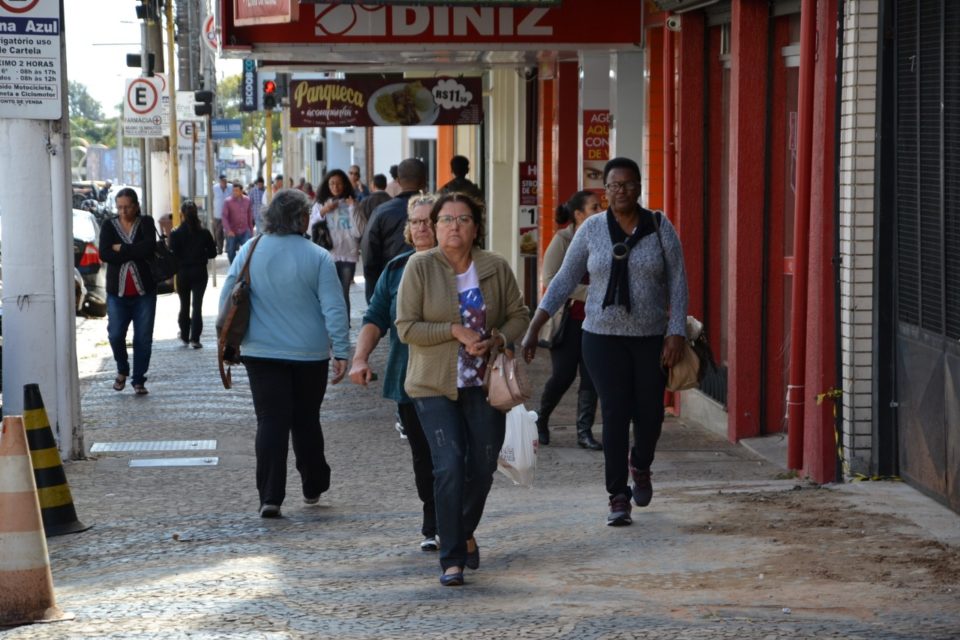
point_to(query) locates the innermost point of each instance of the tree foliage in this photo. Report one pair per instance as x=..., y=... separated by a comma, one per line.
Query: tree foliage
x=87, y=120
x=253, y=122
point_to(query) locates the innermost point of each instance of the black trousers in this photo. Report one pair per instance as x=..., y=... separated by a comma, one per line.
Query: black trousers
x=630, y=382
x=422, y=466
x=191, y=283
x=565, y=359
x=287, y=395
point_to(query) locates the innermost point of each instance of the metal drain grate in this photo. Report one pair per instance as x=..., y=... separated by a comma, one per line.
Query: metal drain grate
x=175, y=462
x=154, y=445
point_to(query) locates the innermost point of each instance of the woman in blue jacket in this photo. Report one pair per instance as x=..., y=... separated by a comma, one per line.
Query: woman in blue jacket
x=298, y=323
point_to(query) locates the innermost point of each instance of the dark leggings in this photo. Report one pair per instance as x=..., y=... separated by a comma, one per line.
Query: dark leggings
x=566, y=360
x=630, y=382
x=191, y=281
x=286, y=396
x=346, y=271
x=422, y=466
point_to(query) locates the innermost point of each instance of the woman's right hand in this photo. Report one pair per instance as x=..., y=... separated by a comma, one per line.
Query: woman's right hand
x=465, y=335
x=360, y=372
x=329, y=206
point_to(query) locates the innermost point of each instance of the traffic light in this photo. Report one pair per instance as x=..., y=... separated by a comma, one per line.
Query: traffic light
x=269, y=95
x=203, y=103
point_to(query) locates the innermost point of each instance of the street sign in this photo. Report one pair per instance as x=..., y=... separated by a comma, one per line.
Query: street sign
x=226, y=129
x=30, y=59
x=248, y=88
x=185, y=134
x=143, y=108
x=185, y=102
x=209, y=35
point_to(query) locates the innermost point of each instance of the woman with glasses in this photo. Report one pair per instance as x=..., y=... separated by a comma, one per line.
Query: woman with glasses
x=565, y=352
x=193, y=246
x=455, y=304
x=377, y=320
x=634, y=329
x=297, y=335
x=336, y=205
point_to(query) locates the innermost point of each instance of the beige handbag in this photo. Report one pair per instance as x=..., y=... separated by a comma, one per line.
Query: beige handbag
x=551, y=333
x=506, y=381
x=686, y=373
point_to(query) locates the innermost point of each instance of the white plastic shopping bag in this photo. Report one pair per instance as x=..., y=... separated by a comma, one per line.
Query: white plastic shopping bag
x=518, y=456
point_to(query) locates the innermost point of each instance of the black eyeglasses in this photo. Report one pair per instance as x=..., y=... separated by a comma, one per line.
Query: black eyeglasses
x=614, y=187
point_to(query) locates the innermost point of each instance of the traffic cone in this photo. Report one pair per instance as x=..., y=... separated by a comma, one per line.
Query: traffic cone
x=26, y=585
x=56, y=503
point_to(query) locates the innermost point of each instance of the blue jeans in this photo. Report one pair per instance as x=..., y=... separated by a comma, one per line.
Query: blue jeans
x=234, y=243
x=465, y=437
x=121, y=311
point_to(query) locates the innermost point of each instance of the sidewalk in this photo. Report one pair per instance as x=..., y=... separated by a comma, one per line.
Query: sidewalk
x=729, y=548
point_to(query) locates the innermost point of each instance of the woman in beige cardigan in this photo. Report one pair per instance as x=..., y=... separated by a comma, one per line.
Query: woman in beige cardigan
x=456, y=302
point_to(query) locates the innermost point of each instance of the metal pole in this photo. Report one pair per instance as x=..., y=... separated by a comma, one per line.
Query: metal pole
x=174, y=147
x=268, y=123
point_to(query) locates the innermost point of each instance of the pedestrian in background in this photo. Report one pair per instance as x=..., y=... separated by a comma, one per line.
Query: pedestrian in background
x=393, y=187
x=237, y=220
x=127, y=243
x=365, y=212
x=221, y=191
x=336, y=205
x=565, y=354
x=379, y=183
x=256, y=193
x=634, y=330
x=460, y=167
x=379, y=318
x=456, y=302
x=383, y=239
x=297, y=320
x=193, y=246
x=360, y=190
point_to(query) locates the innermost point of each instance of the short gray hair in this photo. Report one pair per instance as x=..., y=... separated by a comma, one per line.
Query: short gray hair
x=285, y=214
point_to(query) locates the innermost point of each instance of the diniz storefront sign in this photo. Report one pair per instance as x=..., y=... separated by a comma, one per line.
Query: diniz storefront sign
x=366, y=102
x=530, y=26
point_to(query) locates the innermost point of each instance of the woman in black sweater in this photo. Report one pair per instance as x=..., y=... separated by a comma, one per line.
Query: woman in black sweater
x=126, y=244
x=193, y=246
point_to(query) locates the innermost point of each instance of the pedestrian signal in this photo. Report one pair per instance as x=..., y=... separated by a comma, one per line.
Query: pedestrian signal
x=269, y=94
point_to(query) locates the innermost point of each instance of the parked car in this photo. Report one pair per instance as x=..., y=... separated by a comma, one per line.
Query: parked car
x=86, y=259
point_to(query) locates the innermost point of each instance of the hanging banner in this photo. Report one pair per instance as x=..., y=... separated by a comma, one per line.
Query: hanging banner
x=265, y=11
x=596, y=151
x=369, y=102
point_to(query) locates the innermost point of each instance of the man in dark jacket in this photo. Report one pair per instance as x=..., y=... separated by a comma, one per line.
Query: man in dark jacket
x=383, y=237
x=460, y=167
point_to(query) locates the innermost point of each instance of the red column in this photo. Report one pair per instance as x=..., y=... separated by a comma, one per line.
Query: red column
x=748, y=89
x=558, y=142
x=690, y=151
x=819, y=445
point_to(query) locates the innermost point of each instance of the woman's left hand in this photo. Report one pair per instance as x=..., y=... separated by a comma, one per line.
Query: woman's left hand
x=672, y=351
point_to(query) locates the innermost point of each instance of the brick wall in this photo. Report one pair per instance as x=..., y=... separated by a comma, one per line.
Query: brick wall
x=857, y=174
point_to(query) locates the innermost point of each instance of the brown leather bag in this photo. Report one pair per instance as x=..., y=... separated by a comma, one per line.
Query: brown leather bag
x=506, y=381
x=233, y=321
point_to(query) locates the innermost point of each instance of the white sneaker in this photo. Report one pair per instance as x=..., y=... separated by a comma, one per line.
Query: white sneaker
x=429, y=544
x=269, y=511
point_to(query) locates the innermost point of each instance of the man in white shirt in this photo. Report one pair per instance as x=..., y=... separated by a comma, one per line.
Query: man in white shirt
x=221, y=191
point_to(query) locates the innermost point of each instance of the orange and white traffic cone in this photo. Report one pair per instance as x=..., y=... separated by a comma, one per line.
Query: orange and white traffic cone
x=26, y=585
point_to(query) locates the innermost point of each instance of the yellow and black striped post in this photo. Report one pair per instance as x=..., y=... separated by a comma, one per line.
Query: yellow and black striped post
x=56, y=503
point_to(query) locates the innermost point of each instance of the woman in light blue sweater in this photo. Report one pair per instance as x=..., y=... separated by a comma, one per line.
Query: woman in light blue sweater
x=634, y=329
x=298, y=322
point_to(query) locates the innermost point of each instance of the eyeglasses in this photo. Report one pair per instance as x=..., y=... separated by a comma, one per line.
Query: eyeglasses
x=459, y=220
x=614, y=187
x=419, y=222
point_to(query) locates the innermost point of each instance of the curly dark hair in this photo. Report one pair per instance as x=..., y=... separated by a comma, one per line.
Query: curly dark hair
x=324, y=194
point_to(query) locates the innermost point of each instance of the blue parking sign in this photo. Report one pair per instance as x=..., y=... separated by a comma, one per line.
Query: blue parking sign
x=226, y=128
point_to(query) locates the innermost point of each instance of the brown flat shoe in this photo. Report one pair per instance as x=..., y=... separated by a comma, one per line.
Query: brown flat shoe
x=119, y=383
x=140, y=390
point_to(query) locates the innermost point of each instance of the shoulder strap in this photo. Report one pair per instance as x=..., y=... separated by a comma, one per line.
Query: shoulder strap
x=245, y=273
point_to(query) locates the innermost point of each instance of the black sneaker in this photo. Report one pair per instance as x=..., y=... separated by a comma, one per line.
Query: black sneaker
x=642, y=486
x=619, y=515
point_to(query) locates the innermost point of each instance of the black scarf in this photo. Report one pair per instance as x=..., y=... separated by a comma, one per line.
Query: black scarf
x=618, y=286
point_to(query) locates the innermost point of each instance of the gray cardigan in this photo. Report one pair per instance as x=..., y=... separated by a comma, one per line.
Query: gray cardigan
x=650, y=284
